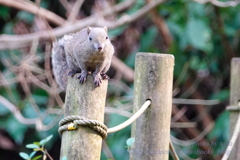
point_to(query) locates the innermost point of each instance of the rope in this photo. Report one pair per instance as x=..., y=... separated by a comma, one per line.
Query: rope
x=72, y=122
x=131, y=119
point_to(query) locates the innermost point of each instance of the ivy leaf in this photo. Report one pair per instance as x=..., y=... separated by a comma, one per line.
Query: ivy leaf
x=24, y=155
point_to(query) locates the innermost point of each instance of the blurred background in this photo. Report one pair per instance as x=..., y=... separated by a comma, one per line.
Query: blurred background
x=203, y=35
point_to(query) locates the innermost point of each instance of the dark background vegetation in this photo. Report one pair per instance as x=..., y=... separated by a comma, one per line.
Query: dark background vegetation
x=202, y=37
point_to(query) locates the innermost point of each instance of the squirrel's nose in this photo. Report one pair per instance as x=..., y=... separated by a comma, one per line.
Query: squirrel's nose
x=99, y=48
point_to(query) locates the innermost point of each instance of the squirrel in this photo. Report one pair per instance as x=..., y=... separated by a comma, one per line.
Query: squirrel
x=88, y=51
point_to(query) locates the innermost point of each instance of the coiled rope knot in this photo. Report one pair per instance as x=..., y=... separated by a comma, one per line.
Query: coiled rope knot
x=72, y=122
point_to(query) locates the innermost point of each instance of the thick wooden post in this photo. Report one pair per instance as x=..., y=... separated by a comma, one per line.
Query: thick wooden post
x=88, y=101
x=153, y=80
x=234, y=98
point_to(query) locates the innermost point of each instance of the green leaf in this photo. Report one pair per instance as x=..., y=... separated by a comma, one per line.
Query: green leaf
x=38, y=157
x=199, y=34
x=32, y=154
x=49, y=138
x=24, y=155
x=44, y=141
x=130, y=141
x=32, y=146
x=37, y=143
x=64, y=158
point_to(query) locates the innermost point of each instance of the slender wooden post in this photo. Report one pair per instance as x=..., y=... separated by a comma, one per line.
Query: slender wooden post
x=153, y=80
x=234, y=98
x=88, y=101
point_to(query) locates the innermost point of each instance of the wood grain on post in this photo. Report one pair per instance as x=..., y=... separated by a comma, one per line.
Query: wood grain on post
x=88, y=101
x=153, y=80
x=234, y=98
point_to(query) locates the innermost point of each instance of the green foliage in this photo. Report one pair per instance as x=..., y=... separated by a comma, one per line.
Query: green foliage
x=24, y=155
x=37, y=146
x=222, y=95
x=198, y=34
x=218, y=135
x=130, y=142
x=198, y=41
x=4, y=12
x=44, y=141
x=117, y=141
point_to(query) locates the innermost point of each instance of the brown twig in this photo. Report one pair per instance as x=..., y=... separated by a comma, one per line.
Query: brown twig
x=229, y=53
x=161, y=25
x=17, y=41
x=75, y=9
x=32, y=8
x=121, y=67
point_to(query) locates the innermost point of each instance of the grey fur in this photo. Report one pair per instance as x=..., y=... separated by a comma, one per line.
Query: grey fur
x=87, y=51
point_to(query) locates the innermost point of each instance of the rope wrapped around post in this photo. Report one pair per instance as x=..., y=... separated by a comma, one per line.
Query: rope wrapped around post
x=71, y=122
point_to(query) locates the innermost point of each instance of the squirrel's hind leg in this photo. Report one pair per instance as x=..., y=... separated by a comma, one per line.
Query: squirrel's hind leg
x=73, y=72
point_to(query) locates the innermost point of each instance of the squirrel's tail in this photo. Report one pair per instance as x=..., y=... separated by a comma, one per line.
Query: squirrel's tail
x=59, y=64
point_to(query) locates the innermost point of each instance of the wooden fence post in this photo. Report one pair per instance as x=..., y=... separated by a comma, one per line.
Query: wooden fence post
x=153, y=80
x=88, y=101
x=234, y=98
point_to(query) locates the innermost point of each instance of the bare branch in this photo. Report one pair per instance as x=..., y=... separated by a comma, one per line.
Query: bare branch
x=195, y=101
x=17, y=114
x=73, y=14
x=32, y=8
x=194, y=140
x=183, y=125
x=219, y=3
x=16, y=41
x=111, y=110
x=127, y=72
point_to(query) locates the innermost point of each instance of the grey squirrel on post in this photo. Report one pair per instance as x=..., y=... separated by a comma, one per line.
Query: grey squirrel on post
x=88, y=51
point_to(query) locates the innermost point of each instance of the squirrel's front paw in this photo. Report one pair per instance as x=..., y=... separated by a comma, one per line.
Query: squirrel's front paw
x=82, y=77
x=104, y=75
x=97, y=80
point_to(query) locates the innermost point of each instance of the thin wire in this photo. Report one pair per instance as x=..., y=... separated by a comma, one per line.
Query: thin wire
x=131, y=119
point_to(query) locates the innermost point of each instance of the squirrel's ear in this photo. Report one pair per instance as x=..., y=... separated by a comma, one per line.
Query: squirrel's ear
x=105, y=28
x=89, y=29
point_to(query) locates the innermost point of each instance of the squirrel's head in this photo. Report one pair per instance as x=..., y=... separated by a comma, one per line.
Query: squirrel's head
x=98, y=37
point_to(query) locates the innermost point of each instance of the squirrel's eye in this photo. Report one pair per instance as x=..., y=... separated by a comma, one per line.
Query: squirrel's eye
x=106, y=37
x=90, y=38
